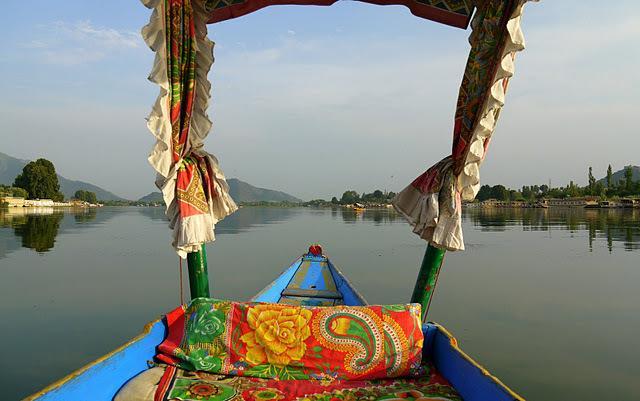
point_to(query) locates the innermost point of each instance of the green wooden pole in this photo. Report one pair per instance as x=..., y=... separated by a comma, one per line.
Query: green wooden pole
x=198, y=274
x=427, y=278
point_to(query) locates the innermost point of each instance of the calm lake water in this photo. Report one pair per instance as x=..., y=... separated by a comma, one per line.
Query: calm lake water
x=547, y=300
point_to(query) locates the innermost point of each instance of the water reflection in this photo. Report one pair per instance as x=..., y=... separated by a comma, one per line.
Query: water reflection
x=85, y=215
x=609, y=225
x=37, y=228
x=377, y=216
x=248, y=217
x=38, y=232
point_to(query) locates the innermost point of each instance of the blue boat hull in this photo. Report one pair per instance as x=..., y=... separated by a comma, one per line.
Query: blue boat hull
x=101, y=380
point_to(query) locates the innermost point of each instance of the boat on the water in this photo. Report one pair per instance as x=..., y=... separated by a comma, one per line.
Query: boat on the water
x=311, y=280
x=359, y=207
x=308, y=335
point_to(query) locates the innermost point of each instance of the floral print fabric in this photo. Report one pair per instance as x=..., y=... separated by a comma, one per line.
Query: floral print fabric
x=294, y=342
x=178, y=384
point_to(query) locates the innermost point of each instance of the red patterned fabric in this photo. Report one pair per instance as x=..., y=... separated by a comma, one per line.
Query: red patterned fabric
x=451, y=12
x=294, y=342
x=432, y=202
x=193, y=186
x=178, y=384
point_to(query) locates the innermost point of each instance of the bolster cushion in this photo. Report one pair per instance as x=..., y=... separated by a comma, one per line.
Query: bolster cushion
x=294, y=342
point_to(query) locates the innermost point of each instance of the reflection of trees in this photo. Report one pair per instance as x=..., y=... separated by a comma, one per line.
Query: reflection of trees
x=349, y=216
x=378, y=216
x=612, y=225
x=85, y=215
x=622, y=225
x=39, y=231
x=154, y=213
x=249, y=216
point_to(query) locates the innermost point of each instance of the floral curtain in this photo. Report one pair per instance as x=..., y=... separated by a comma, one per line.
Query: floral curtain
x=193, y=186
x=432, y=203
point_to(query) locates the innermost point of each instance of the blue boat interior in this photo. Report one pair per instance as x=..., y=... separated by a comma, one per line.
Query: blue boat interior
x=310, y=280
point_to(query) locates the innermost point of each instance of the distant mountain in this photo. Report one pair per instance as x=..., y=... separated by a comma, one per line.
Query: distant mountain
x=240, y=192
x=243, y=192
x=618, y=175
x=69, y=188
x=10, y=167
x=152, y=197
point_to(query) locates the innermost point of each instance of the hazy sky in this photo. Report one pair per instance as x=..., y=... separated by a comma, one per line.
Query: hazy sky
x=316, y=100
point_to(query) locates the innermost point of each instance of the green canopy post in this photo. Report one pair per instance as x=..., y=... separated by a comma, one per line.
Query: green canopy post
x=427, y=278
x=198, y=274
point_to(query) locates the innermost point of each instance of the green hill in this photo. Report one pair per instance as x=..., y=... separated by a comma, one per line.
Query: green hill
x=240, y=192
x=10, y=167
x=619, y=175
x=152, y=197
x=243, y=192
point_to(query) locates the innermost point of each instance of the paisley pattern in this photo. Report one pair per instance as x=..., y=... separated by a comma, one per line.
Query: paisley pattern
x=354, y=332
x=294, y=342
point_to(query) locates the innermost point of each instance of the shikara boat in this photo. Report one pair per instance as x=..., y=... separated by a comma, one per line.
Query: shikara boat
x=310, y=280
x=197, y=197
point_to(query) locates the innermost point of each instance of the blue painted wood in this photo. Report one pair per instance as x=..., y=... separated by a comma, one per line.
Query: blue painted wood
x=471, y=381
x=271, y=293
x=350, y=295
x=314, y=278
x=103, y=380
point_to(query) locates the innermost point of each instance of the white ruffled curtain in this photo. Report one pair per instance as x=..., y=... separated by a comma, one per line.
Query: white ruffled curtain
x=194, y=188
x=432, y=203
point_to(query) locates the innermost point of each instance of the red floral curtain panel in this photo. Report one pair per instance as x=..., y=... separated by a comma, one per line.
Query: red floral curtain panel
x=432, y=203
x=193, y=186
x=451, y=12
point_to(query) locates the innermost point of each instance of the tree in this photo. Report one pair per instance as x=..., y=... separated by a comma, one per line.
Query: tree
x=573, y=190
x=484, y=193
x=349, y=197
x=86, y=196
x=592, y=182
x=334, y=200
x=609, y=177
x=527, y=193
x=628, y=178
x=500, y=193
x=19, y=192
x=40, y=180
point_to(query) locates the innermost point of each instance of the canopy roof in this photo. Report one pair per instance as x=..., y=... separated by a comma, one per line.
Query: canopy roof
x=193, y=185
x=451, y=12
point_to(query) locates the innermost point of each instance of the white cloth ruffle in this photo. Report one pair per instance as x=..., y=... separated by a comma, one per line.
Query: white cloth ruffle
x=188, y=233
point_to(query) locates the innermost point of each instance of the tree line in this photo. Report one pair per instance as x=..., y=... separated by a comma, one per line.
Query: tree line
x=351, y=196
x=39, y=180
x=608, y=188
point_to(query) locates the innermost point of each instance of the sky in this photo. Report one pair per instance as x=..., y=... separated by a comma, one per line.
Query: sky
x=317, y=100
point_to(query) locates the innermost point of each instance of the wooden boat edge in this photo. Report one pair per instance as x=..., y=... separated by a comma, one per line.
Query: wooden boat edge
x=265, y=291
x=146, y=330
x=453, y=343
x=346, y=282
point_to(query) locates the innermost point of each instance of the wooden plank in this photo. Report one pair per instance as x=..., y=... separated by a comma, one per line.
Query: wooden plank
x=298, y=292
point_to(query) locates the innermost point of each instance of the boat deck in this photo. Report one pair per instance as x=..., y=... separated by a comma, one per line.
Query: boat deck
x=311, y=280
x=312, y=284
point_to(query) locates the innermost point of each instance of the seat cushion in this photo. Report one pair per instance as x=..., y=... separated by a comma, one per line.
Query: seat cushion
x=178, y=384
x=142, y=387
x=294, y=342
